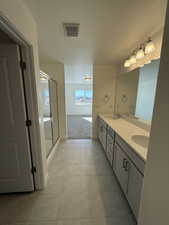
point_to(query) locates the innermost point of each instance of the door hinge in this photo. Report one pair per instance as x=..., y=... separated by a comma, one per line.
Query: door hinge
x=23, y=65
x=28, y=123
x=33, y=170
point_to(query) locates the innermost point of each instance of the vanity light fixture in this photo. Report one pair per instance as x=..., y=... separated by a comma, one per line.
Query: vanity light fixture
x=145, y=49
x=149, y=47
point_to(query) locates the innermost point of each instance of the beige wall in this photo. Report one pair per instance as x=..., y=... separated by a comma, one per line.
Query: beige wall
x=19, y=15
x=103, y=86
x=155, y=197
x=56, y=71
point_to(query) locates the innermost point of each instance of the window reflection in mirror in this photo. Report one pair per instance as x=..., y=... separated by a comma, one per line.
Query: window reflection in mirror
x=45, y=94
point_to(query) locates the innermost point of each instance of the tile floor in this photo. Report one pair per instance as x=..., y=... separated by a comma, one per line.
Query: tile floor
x=82, y=190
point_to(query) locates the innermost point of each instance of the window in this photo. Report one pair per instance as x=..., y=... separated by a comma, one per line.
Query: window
x=83, y=97
x=45, y=95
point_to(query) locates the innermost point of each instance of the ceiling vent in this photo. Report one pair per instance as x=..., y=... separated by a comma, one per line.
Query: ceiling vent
x=71, y=29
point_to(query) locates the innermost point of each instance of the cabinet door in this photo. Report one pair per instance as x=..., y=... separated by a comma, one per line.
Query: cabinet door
x=108, y=143
x=109, y=151
x=104, y=134
x=134, y=188
x=108, y=148
x=100, y=132
x=119, y=167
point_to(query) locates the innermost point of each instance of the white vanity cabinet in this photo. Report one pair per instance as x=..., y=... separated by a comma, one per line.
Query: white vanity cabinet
x=128, y=166
x=129, y=177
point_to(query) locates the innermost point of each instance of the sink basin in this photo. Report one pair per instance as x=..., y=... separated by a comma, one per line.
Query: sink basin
x=141, y=140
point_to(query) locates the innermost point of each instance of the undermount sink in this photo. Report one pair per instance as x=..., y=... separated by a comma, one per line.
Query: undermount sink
x=141, y=140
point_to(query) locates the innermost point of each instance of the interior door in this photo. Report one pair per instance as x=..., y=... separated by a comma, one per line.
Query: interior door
x=15, y=158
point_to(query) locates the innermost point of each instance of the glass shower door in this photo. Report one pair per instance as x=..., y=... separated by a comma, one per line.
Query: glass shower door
x=47, y=116
x=54, y=110
x=50, y=111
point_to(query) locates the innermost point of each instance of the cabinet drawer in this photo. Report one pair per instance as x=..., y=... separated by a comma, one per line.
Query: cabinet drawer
x=140, y=164
x=111, y=132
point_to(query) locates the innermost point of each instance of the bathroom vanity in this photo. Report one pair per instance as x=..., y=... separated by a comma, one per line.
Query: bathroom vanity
x=125, y=146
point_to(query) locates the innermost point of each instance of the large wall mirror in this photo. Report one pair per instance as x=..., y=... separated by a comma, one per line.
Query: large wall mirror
x=135, y=92
x=50, y=110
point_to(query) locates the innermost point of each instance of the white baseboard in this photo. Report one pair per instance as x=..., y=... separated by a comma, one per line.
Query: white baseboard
x=49, y=159
x=51, y=155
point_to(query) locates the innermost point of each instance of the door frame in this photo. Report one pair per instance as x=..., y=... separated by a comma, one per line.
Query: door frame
x=31, y=97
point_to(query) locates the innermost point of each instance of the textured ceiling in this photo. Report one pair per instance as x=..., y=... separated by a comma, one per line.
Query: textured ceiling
x=109, y=29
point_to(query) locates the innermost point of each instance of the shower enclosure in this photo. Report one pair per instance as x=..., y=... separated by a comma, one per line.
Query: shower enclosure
x=50, y=110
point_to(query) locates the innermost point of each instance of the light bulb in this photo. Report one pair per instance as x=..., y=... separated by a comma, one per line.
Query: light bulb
x=150, y=47
x=149, y=61
x=140, y=54
x=132, y=59
x=127, y=63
